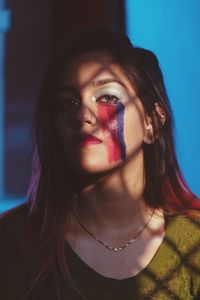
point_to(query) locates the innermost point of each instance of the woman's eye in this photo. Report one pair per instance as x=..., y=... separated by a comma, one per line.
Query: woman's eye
x=108, y=99
x=70, y=104
x=74, y=102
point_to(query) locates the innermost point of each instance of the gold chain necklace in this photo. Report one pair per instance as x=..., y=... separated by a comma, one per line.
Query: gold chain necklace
x=115, y=249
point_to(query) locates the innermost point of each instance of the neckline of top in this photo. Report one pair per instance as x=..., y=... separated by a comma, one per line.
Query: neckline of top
x=89, y=272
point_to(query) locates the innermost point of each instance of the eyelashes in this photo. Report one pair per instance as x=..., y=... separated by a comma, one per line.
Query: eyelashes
x=109, y=99
x=73, y=104
x=69, y=104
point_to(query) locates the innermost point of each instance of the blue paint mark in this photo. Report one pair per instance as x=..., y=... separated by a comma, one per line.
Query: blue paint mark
x=120, y=129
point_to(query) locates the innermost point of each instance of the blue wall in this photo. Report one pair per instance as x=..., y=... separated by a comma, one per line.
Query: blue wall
x=171, y=29
x=4, y=25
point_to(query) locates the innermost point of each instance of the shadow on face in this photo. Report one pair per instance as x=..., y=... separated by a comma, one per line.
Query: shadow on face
x=100, y=120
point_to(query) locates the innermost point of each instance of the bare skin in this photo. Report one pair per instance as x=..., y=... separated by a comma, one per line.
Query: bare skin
x=115, y=222
x=113, y=207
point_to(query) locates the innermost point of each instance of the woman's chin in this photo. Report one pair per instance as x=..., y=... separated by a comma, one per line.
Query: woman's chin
x=97, y=167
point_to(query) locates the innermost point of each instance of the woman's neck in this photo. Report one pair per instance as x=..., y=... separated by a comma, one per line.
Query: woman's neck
x=115, y=201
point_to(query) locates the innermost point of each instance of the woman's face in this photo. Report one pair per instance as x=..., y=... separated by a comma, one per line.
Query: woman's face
x=100, y=119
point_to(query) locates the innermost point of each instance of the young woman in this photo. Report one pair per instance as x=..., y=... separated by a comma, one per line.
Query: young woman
x=109, y=214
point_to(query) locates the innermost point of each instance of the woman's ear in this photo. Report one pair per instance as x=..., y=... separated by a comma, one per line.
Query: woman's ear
x=148, y=131
x=161, y=113
x=152, y=133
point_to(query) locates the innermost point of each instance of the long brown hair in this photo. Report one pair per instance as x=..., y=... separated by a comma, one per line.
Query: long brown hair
x=50, y=196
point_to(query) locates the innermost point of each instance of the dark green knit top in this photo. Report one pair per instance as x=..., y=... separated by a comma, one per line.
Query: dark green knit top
x=173, y=273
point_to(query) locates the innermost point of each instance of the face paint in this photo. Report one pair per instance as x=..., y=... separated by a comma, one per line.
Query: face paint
x=112, y=118
x=120, y=129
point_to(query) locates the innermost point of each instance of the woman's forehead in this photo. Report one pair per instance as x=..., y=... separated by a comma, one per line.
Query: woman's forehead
x=93, y=69
x=87, y=66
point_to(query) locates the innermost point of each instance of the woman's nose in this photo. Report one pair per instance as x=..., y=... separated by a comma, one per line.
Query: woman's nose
x=87, y=115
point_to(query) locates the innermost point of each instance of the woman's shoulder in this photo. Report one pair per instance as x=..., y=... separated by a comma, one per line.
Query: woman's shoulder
x=184, y=231
x=20, y=210
x=13, y=275
x=187, y=222
x=14, y=217
x=12, y=225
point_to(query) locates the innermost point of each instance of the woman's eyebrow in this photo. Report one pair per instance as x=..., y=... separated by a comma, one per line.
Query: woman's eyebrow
x=101, y=82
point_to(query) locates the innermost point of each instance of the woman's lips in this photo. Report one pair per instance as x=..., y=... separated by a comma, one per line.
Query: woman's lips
x=88, y=139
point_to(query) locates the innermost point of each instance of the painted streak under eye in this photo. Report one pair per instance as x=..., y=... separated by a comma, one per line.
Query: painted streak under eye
x=111, y=117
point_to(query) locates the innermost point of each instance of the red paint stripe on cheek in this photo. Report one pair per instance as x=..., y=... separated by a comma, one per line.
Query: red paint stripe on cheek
x=107, y=117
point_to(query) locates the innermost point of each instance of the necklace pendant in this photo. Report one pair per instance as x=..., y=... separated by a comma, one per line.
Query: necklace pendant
x=116, y=249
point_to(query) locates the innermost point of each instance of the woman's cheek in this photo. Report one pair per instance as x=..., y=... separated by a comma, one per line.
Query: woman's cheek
x=112, y=120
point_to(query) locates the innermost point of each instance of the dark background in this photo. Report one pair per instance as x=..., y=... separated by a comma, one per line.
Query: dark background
x=38, y=30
